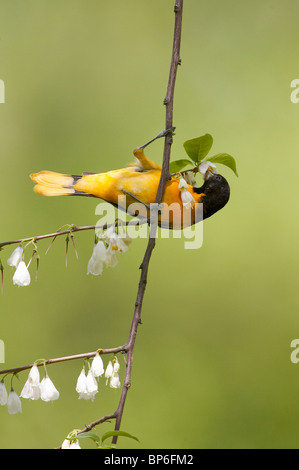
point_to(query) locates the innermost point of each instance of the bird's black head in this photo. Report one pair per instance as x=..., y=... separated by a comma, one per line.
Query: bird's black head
x=217, y=191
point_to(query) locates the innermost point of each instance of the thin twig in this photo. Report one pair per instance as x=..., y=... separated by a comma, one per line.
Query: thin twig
x=73, y=229
x=55, y=360
x=175, y=61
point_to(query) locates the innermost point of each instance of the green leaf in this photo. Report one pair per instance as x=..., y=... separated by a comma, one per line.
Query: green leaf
x=198, y=148
x=90, y=435
x=225, y=159
x=178, y=165
x=118, y=433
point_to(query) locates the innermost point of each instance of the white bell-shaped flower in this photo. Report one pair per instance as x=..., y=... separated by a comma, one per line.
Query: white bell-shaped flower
x=48, y=391
x=21, y=276
x=109, y=371
x=81, y=384
x=87, y=386
x=14, y=404
x=96, y=262
x=207, y=169
x=112, y=373
x=188, y=200
x=31, y=388
x=114, y=381
x=15, y=257
x=97, y=366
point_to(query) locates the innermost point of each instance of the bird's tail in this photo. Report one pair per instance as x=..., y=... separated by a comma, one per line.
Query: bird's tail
x=49, y=183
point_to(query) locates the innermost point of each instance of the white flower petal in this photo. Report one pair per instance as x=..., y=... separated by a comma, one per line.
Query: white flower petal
x=96, y=262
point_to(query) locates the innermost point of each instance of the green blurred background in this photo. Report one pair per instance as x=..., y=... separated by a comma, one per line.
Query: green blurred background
x=85, y=83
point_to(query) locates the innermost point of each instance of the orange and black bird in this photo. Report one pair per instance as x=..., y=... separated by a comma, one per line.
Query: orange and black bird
x=138, y=182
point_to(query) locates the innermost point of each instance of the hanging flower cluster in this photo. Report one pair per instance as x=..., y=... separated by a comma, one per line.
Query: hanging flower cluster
x=106, y=249
x=112, y=242
x=16, y=260
x=34, y=389
x=21, y=276
x=11, y=400
x=87, y=384
x=112, y=375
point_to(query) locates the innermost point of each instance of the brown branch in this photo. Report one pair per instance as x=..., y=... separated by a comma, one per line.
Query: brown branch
x=175, y=61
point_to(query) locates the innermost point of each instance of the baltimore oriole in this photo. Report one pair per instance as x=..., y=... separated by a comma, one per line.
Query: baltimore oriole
x=138, y=182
